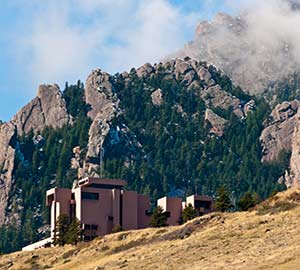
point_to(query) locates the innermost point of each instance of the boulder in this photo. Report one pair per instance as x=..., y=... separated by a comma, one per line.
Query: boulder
x=145, y=70
x=214, y=96
x=157, y=97
x=279, y=129
x=217, y=122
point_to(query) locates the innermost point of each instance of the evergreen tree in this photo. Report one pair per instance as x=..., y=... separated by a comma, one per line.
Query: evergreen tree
x=246, y=202
x=223, y=202
x=188, y=213
x=159, y=218
x=61, y=230
x=74, y=234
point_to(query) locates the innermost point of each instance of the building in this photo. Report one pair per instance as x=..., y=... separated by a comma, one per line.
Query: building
x=100, y=205
x=203, y=204
x=173, y=207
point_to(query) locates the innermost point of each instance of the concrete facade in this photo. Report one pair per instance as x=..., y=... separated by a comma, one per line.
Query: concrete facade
x=173, y=208
x=100, y=205
x=203, y=204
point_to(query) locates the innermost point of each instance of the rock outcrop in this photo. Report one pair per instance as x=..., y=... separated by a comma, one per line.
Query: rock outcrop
x=98, y=91
x=217, y=122
x=104, y=104
x=47, y=109
x=7, y=159
x=292, y=178
x=279, y=129
x=232, y=44
x=157, y=97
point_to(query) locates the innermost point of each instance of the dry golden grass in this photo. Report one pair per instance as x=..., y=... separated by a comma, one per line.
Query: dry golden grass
x=266, y=238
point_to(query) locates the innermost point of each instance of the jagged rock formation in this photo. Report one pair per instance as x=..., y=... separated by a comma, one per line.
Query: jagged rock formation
x=241, y=48
x=217, y=122
x=214, y=96
x=279, y=129
x=98, y=91
x=7, y=156
x=47, y=109
x=97, y=134
x=104, y=103
x=292, y=178
x=104, y=108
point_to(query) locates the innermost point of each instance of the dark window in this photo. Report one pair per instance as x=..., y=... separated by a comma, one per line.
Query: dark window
x=72, y=211
x=110, y=218
x=94, y=227
x=148, y=213
x=90, y=196
x=87, y=226
x=202, y=204
x=104, y=186
x=87, y=238
x=167, y=214
x=73, y=196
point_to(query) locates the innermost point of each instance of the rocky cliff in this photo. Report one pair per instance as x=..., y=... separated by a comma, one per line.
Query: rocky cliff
x=279, y=129
x=240, y=46
x=48, y=109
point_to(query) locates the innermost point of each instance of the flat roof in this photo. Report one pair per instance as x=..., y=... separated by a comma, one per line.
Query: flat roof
x=102, y=183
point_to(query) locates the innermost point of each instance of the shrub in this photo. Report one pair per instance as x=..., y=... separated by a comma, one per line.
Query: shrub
x=223, y=202
x=117, y=228
x=188, y=213
x=159, y=218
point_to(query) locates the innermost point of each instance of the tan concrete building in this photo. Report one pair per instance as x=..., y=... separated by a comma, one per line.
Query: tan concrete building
x=203, y=204
x=173, y=207
x=100, y=205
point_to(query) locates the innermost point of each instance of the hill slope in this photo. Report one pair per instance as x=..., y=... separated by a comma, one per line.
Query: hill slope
x=266, y=238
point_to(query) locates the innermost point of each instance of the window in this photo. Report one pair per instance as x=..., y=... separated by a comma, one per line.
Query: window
x=94, y=227
x=87, y=226
x=90, y=196
x=148, y=213
x=202, y=204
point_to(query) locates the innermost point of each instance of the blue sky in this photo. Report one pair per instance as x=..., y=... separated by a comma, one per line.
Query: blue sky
x=53, y=41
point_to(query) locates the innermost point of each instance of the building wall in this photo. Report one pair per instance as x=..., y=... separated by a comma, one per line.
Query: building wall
x=174, y=207
x=116, y=194
x=201, y=210
x=129, y=210
x=97, y=212
x=59, y=201
x=144, y=206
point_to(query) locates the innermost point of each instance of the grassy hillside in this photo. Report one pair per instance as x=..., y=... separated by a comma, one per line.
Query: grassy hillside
x=267, y=237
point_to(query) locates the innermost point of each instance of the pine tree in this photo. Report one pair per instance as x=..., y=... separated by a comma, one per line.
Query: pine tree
x=159, y=218
x=246, y=202
x=188, y=213
x=61, y=230
x=74, y=234
x=223, y=202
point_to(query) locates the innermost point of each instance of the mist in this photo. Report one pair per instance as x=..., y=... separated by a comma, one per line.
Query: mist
x=259, y=46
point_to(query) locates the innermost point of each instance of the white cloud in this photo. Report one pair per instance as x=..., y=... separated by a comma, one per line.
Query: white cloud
x=65, y=40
